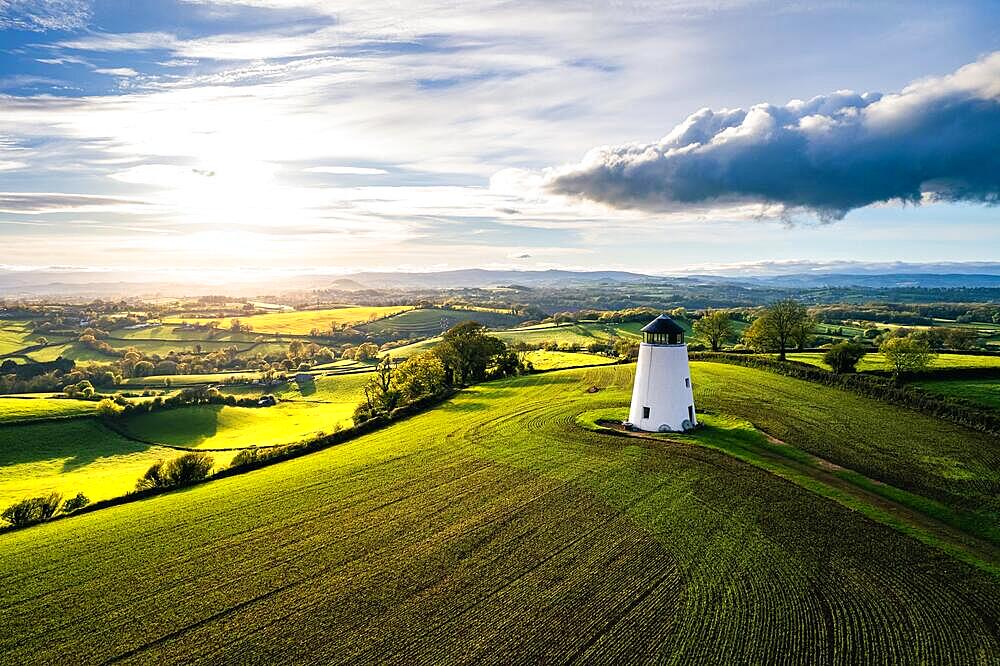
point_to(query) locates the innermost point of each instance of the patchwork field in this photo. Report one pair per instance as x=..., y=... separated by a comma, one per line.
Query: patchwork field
x=304, y=321
x=71, y=455
x=496, y=516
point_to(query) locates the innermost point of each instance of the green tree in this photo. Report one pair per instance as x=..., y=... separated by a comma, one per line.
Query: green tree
x=716, y=327
x=906, y=354
x=777, y=326
x=467, y=352
x=419, y=376
x=33, y=510
x=843, y=357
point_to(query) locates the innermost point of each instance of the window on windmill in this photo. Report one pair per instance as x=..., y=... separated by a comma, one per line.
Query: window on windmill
x=687, y=382
x=645, y=412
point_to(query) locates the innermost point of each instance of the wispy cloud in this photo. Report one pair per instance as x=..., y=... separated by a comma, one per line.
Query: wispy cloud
x=43, y=15
x=117, y=71
x=347, y=170
x=34, y=203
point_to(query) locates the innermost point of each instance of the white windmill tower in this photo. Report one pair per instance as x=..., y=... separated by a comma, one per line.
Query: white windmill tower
x=662, y=400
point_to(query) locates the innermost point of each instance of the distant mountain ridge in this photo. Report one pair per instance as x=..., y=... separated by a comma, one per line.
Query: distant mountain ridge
x=115, y=284
x=481, y=277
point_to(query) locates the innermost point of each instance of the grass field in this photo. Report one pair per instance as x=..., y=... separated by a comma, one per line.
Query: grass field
x=196, y=336
x=320, y=406
x=554, y=360
x=302, y=322
x=14, y=335
x=495, y=526
x=81, y=454
x=876, y=361
x=570, y=333
x=584, y=333
x=41, y=406
x=186, y=380
x=71, y=456
x=432, y=321
x=986, y=392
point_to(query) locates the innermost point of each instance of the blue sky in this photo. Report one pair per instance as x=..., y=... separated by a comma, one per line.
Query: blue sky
x=308, y=135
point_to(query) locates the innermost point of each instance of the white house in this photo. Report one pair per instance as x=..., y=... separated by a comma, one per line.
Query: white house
x=662, y=400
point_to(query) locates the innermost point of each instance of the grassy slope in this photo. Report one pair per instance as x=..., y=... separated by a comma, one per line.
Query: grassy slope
x=321, y=406
x=41, y=406
x=431, y=321
x=81, y=454
x=986, y=392
x=14, y=335
x=492, y=527
x=301, y=323
x=554, y=360
x=71, y=456
x=918, y=453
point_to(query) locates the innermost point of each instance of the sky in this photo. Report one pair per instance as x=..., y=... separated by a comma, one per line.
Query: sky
x=663, y=137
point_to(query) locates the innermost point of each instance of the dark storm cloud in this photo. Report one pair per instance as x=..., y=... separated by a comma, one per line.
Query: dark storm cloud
x=938, y=139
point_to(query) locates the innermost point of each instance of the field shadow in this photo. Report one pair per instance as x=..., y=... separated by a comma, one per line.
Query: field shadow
x=80, y=442
x=187, y=426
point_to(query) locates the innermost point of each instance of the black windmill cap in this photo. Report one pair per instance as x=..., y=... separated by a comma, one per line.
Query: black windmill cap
x=663, y=324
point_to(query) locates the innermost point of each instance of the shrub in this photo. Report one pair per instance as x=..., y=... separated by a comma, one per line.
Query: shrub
x=74, y=503
x=109, y=408
x=844, y=357
x=33, y=510
x=185, y=470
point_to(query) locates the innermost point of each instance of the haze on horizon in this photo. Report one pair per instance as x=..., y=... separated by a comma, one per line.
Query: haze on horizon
x=654, y=137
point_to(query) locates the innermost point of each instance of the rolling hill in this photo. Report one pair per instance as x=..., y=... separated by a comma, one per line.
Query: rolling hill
x=494, y=526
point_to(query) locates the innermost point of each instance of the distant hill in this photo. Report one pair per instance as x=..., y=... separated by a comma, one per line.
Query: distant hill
x=478, y=277
x=869, y=280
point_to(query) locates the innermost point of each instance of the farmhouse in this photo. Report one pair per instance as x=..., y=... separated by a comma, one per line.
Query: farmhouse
x=662, y=400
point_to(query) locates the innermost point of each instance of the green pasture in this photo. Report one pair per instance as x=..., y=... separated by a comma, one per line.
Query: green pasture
x=81, y=454
x=494, y=526
x=583, y=333
x=222, y=336
x=406, y=351
x=303, y=412
x=876, y=361
x=555, y=360
x=30, y=406
x=432, y=321
x=985, y=392
x=302, y=322
x=73, y=455
x=14, y=335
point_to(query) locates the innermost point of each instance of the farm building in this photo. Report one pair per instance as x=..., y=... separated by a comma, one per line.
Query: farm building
x=662, y=400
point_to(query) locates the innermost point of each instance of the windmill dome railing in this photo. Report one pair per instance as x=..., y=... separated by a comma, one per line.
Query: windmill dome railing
x=663, y=338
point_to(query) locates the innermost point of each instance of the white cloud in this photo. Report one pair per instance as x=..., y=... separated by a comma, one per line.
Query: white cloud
x=117, y=71
x=43, y=15
x=347, y=170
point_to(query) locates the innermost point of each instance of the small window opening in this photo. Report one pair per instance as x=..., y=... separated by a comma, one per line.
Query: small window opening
x=687, y=382
x=645, y=412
